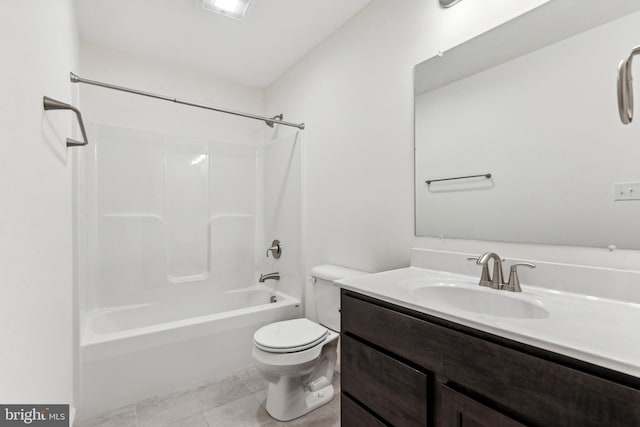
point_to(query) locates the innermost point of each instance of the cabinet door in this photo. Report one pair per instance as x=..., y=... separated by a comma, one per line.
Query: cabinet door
x=394, y=391
x=459, y=410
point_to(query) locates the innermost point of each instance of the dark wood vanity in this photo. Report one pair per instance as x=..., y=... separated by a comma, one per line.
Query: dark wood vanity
x=405, y=368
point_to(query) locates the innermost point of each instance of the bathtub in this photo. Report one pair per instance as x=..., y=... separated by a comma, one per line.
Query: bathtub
x=134, y=352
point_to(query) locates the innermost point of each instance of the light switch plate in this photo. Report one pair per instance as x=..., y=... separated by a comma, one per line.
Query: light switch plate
x=626, y=191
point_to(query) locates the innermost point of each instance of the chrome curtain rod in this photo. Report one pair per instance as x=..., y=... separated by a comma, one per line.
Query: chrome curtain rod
x=270, y=121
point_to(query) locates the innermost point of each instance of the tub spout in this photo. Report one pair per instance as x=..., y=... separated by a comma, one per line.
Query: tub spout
x=269, y=276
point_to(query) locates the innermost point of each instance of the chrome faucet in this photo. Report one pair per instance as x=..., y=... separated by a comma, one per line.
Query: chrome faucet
x=269, y=276
x=496, y=280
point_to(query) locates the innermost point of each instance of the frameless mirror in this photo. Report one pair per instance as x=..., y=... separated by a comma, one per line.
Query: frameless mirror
x=533, y=104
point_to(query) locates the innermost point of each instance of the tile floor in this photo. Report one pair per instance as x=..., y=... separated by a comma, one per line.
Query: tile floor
x=236, y=401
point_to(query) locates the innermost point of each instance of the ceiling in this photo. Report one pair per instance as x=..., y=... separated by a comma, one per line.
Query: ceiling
x=273, y=36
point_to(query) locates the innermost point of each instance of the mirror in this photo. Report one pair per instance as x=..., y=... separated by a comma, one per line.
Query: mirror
x=533, y=104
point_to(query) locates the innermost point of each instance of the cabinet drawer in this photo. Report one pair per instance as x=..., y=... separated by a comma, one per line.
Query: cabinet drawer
x=399, y=333
x=354, y=415
x=458, y=410
x=393, y=390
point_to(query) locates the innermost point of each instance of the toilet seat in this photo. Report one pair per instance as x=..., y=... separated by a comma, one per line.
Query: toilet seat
x=289, y=336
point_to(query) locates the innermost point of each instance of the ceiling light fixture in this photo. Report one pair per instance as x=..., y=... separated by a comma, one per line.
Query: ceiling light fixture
x=235, y=9
x=448, y=3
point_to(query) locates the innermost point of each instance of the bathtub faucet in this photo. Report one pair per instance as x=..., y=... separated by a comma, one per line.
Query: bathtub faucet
x=269, y=276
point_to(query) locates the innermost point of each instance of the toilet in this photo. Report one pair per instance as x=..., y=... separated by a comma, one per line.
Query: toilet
x=298, y=357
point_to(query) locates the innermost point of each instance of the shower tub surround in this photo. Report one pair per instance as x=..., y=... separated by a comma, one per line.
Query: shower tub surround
x=173, y=237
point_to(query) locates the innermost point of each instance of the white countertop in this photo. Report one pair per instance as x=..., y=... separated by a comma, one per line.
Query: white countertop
x=600, y=331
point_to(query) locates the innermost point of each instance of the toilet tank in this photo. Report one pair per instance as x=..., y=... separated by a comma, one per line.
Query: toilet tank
x=326, y=294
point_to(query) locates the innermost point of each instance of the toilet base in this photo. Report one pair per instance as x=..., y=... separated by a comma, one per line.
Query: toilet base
x=289, y=398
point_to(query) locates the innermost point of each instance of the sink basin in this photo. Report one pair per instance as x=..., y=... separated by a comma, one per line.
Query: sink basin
x=481, y=301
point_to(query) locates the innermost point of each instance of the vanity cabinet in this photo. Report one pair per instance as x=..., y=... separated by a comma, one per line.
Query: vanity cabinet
x=405, y=368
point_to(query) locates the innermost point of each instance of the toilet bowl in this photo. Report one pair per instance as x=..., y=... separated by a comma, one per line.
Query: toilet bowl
x=298, y=357
x=299, y=379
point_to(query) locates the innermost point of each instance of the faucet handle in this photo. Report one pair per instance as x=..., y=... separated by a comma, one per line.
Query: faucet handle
x=485, y=280
x=514, y=281
x=275, y=249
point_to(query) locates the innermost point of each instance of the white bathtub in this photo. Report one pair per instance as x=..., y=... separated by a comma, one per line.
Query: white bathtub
x=134, y=352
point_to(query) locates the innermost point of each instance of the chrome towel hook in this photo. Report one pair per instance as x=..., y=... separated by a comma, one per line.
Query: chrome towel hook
x=625, y=88
x=52, y=104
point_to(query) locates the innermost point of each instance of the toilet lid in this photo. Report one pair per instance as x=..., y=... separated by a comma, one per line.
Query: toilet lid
x=289, y=336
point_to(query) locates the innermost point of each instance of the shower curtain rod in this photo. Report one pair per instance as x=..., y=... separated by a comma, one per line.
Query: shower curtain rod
x=270, y=121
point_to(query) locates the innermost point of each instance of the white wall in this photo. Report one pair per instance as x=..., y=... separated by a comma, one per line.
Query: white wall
x=38, y=49
x=355, y=93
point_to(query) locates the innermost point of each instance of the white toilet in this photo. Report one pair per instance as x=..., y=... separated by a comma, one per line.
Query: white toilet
x=298, y=357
